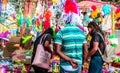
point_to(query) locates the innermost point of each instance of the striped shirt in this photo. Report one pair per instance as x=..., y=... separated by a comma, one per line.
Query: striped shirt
x=71, y=38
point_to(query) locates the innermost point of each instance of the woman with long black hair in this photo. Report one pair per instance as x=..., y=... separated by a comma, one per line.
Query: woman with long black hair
x=46, y=44
x=96, y=43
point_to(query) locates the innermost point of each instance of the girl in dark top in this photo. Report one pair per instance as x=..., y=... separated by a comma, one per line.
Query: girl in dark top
x=46, y=44
x=96, y=42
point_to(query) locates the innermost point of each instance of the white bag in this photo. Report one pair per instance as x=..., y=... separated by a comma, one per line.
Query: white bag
x=108, y=52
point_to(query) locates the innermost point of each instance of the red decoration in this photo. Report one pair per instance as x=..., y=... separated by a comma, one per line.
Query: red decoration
x=70, y=6
x=57, y=28
x=48, y=15
x=117, y=11
x=93, y=7
x=37, y=22
x=46, y=24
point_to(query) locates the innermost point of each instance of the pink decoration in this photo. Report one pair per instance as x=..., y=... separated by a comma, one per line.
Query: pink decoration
x=93, y=7
x=37, y=22
x=4, y=35
x=118, y=54
x=82, y=28
x=28, y=6
x=57, y=28
x=117, y=11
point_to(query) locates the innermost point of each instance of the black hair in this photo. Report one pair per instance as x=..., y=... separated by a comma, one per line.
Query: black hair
x=95, y=28
x=49, y=31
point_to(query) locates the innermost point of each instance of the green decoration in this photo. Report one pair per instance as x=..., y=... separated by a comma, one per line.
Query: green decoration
x=25, y=39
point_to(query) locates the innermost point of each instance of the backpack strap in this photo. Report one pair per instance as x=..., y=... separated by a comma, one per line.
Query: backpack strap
x=103, y=41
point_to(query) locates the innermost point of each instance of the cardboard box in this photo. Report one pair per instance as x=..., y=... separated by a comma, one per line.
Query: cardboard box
x=10, y=47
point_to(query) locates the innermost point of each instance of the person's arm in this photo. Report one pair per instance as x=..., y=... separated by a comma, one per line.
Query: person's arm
x=94, y=49
x=58, y=50
x=47, y=46
x=85, y=52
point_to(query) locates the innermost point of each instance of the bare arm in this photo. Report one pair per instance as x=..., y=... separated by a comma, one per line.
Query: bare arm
x=47, y=46
x=94, y=49
x=58, y=50
x=85, y=51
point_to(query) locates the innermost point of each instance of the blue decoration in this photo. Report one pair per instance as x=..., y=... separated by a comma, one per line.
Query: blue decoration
x=38, y=34
x=87, y=18
x=33, y=20
x=106, y=9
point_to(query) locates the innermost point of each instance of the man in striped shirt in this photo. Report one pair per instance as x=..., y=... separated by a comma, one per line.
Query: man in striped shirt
x=69, y=46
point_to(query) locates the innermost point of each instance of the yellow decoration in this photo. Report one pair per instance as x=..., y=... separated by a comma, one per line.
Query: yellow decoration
x=2, y=16
x=94, y=14
x=54, y=1
x=5, y=29
x=24, y=69
x=57, y=58
x=113, y=23
x=10, y=19
x=89, y=37
x=117, y=15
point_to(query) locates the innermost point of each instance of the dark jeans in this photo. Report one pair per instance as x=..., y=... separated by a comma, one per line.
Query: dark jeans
x=96, y=64
x=39, y=70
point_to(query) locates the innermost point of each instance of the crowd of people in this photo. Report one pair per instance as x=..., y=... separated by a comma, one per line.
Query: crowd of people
x=71, y=46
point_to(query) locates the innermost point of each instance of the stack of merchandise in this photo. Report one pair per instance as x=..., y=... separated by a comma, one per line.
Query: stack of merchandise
x=21, y=60
x=5, y=65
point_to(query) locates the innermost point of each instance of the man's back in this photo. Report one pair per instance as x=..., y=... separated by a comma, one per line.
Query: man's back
x=71, y=38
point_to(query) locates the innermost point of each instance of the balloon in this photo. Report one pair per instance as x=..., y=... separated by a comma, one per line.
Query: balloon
x=93, y=7
x=54, y=1
x=70, y=6
x=106, y=9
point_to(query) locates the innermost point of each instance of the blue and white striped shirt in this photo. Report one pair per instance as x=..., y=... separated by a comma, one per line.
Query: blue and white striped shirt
x=71, y=38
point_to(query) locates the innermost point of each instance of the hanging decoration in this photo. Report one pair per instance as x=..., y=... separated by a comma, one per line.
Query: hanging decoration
x=25, y=39
x=95, y=12
x=117, y=13
x=20, y=18
x=48, y=15
x=113, y=40
x=4, y=3
x=70, y=6
x=54, y=1
x=29, y=21
x=0, y=7
x=28, y=5
x=106, y=9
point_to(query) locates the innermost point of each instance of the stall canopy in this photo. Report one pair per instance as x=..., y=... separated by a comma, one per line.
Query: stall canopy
x=88, y=4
